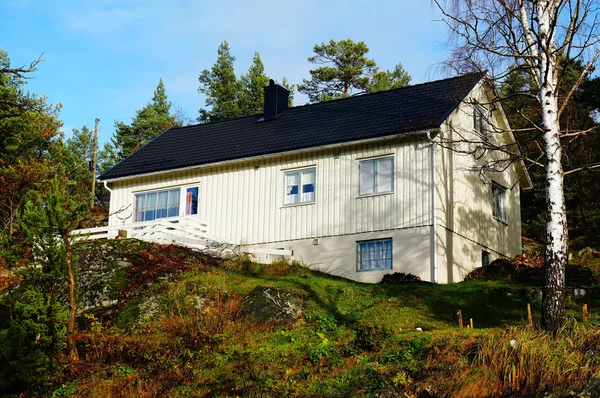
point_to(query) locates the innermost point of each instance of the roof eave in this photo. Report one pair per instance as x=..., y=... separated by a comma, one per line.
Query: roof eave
x=423, y=132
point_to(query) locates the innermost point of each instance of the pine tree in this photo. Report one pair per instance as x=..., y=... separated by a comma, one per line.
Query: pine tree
x=148, y=123
x=221, y=87
x=291, y=88
x=251, y=97
x=350, y=71
x=387, y=80
x=48, y=222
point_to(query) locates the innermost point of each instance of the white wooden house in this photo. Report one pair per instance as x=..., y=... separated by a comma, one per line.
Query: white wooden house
x=357, y=187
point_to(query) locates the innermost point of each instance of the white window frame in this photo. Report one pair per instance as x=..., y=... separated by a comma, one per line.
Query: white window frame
x=182, y=200
x=386, y=261
x=168, y=190
x=498, y=194
x=376, y=189
x=300, y=200
x=480, y=116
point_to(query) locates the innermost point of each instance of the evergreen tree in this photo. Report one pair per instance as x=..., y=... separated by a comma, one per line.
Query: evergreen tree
x=387, y=80
x=221, y=87
x=350, y=71
x=291, y=88
x=48, y=223
x=29, y=145
x=148, y=123
x=251, y=97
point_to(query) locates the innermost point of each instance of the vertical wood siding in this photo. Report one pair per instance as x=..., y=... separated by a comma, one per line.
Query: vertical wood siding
x=244, y=204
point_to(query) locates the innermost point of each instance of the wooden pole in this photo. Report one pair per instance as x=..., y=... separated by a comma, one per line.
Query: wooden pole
x=460, y=321
x=471, y=322
x=584, y=311
x=529, y=317
x=95, y=158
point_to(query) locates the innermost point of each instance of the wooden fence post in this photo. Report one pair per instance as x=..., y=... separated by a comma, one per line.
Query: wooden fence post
x=584, y=311
x=529, y=317
x=471, y=322
x=460, y=320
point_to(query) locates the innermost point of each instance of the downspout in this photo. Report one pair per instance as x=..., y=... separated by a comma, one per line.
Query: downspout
x=107, y=188
x=432, y=232
x=111, y=197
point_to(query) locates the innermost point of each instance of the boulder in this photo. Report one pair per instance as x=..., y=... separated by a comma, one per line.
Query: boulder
x=268, y=304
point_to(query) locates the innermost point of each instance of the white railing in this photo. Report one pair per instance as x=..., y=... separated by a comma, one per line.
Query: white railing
x=184, y=229
x=187, y=231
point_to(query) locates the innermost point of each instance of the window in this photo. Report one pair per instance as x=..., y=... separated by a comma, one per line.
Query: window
x=299, y=186
x=485, y=258
x=153, y=205
x=191, y=200
x=374, y=254
x=376, y=176
x=499, y=202
x=480, y=121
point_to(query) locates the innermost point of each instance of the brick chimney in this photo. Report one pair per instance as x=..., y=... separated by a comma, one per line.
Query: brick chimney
x=276, y=100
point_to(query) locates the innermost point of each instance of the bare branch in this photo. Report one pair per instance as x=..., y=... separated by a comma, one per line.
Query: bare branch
x=590, y=167
x=23, y=70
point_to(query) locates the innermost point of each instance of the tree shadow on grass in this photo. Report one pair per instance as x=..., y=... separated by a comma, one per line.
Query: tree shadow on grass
x=489, y=304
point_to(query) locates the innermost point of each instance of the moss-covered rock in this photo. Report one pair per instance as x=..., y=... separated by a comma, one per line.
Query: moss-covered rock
x=267, y=304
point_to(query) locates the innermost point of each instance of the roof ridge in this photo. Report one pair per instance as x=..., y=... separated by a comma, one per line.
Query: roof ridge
x=341, y=99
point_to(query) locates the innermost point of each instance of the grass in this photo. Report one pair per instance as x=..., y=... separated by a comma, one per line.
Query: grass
x=353, y=339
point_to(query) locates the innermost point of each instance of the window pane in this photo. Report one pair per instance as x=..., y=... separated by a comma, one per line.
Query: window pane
x=161, y=209
x=173, y=203
x=139, y=207
x=367, y=177
x=150, y=210
x=385, y=175
x=308, y=185
x=374, y=254
x=499, y=202
x=191, y=201
x=292, y=187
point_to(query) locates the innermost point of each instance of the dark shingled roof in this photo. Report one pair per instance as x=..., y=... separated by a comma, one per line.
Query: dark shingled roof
x=401, y=110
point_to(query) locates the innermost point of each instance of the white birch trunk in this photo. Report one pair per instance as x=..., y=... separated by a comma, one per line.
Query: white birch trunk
x=553, y=302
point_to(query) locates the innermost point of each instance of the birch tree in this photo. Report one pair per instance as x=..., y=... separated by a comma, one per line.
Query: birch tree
x=537, y=37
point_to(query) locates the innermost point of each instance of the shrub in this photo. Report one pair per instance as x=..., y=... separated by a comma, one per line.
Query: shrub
x=35, y=333
x=498, y=269
x=399, y=277
x=239, y=263
x=371, y=335
x=322, y=322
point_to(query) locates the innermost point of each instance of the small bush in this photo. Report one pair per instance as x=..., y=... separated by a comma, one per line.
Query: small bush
x=498, y=269
x=239, y=263
x=371, y=335
x=399, y=277
x=322, y=322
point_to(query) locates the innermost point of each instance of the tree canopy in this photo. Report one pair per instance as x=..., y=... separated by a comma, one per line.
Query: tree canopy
x=229, y=97
x=147, y=124
x=347, y=71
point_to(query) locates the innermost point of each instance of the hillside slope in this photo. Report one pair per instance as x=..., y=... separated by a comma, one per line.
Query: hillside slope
x=169, y=322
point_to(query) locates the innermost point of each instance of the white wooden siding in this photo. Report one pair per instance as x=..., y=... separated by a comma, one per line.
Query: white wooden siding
x=244, y=204
x=464, y=204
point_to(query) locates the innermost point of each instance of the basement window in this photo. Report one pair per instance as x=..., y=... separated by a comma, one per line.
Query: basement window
x=154, y=205
x=300, y=186
x=499, y=202
x=374, y=255
x=376, y=176
x=485, y=258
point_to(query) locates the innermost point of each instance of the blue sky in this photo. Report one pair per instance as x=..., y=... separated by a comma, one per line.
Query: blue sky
x=104, y=58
